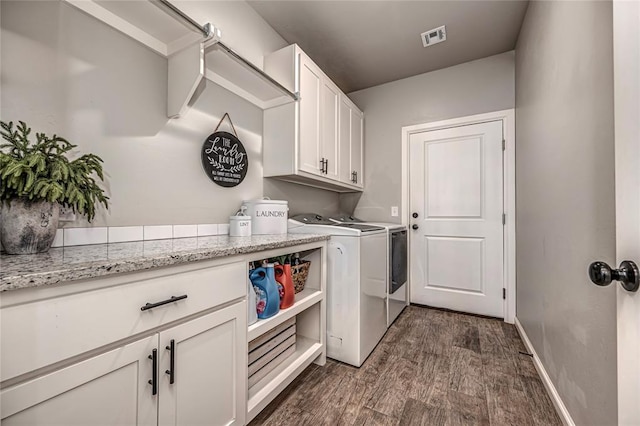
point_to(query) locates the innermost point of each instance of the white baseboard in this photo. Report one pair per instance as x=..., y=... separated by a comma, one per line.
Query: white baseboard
x=548, y=384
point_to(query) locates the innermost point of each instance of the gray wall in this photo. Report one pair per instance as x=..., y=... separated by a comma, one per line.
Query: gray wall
x=65, y=72
x=475, y=87
x=565, y=200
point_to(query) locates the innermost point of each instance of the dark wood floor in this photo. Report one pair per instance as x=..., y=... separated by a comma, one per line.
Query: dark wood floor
x=432, y=368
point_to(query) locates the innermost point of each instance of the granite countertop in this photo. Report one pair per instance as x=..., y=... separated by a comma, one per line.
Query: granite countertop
x=83, y=262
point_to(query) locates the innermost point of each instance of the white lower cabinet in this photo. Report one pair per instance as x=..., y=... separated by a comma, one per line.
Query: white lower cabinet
x=109, y=389
x=199, y=380
x=160, y=347
x=209, y=358
x=188, y=365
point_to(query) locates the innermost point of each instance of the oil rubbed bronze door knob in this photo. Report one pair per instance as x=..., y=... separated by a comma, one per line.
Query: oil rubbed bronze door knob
x=602, y=274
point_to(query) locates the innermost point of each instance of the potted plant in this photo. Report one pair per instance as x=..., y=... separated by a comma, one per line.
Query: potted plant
x=36, y=178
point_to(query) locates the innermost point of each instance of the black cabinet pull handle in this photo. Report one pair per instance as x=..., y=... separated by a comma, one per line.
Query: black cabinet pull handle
x=172, y=361
x=326, y=166
x=164, y=302
x=154, y=375
x=322, y=165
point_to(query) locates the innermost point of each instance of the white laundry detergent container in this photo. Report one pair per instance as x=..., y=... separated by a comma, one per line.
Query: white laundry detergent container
x=267, y=216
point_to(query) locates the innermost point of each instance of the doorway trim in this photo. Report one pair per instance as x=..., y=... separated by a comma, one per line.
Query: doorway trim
x=509, y=189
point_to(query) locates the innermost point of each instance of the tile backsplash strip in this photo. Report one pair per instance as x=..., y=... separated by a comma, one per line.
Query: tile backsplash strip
x=66, y=237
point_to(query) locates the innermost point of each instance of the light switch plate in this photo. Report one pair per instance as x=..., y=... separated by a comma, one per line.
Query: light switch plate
x=394, y=211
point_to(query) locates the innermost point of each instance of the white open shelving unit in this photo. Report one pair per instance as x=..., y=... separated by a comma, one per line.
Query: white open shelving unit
x=195, y=52
x=310, y=312
x=305, y=299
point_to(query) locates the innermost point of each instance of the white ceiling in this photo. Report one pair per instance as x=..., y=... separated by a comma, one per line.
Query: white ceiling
x=361, y=44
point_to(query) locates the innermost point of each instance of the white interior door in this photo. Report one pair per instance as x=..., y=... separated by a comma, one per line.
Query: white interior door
x=626, y=52
x=456, y=202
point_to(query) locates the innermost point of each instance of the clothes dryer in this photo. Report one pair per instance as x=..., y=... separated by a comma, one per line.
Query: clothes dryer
x=397, y=287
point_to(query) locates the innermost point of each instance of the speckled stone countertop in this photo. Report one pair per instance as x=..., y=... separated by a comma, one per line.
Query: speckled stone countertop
x=82, y=262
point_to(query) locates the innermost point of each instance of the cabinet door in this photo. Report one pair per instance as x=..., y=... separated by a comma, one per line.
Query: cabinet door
x=346, y=174
x=330, y=120
x=309, y=107
x=357, y=121
x=351, y=123
x=209, y=370
x=108, y=389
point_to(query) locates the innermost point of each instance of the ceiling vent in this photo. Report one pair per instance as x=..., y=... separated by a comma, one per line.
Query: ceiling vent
x=434, y=36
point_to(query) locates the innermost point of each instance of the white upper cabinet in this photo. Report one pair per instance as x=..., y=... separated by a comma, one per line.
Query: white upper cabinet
x=357, y=138
x=310, y=107
x=330, y=137
x=306, y=142
x=351, y=125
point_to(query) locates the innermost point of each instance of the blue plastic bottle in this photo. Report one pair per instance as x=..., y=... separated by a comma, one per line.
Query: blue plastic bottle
x=268, y=298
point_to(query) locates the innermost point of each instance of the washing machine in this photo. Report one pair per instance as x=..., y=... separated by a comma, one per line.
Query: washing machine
x=356, y=285
x=397, y=286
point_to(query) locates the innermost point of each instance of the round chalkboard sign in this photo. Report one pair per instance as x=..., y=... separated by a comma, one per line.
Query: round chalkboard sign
x=224, y=159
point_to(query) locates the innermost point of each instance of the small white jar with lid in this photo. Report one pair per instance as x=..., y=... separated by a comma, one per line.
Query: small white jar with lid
x=240, y=224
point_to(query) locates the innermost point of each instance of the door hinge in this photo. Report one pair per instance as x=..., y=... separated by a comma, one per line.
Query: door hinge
x=504, y=144
x=504, y=293
x=504, y=218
